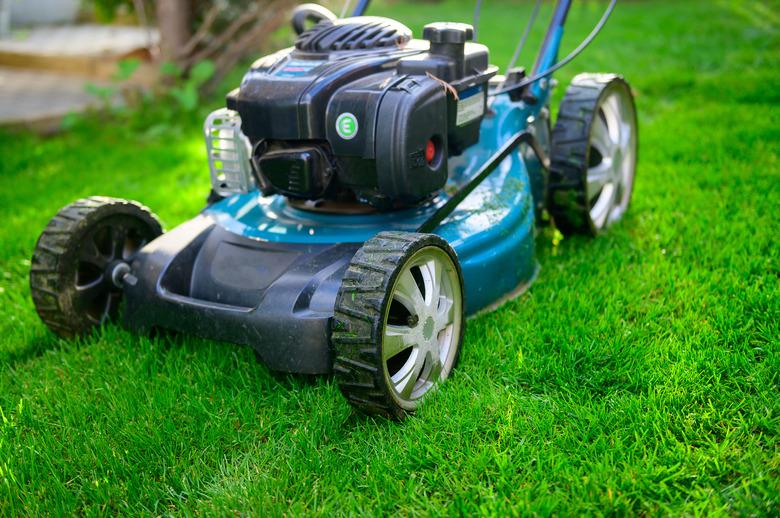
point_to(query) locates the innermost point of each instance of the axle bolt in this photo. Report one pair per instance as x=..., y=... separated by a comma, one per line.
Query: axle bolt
x=120, y=273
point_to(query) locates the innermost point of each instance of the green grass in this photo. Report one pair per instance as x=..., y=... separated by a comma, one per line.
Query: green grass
x=640, y=374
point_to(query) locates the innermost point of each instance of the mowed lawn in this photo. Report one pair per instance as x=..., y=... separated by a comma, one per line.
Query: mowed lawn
x=640, y=373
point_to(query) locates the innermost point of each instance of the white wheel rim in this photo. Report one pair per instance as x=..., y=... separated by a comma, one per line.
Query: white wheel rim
x=422, y=325
x=612, y=159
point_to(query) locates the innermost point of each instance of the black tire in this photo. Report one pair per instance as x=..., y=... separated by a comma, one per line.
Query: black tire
x=362, y=313
x=570, y=202
x=76, y=255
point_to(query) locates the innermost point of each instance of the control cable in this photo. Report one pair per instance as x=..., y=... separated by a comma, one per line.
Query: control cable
x=565, y=61
x=526, y=32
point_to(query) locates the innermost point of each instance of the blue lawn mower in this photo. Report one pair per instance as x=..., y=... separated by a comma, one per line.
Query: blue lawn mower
x=369, y=192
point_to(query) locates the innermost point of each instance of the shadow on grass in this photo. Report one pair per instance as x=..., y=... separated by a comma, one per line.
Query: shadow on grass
x=35, y=348
x=229, y=361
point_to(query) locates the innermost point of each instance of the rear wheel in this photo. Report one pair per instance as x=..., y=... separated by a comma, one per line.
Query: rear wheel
x=80, y=258
x=398, y=323
x=594, y=152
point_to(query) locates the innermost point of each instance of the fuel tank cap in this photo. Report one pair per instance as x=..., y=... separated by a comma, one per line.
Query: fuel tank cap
x=448, y=32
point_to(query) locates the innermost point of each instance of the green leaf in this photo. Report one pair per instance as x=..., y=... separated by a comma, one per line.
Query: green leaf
x=70, y=120
x=104, y=93
x=201, y=72
x=169, y=68
x=186, y=96
x=126, y=68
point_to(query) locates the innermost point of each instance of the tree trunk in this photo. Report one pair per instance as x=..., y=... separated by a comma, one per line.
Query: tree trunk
x=173, y=19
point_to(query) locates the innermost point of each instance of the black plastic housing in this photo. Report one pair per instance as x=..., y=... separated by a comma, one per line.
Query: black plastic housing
x=300, y=172
x=278, y=298
x=400, y=97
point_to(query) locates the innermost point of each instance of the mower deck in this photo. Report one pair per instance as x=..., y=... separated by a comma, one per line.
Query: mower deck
x=277, y=297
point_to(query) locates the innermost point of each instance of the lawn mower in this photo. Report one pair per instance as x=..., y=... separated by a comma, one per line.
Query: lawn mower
x=370, y=191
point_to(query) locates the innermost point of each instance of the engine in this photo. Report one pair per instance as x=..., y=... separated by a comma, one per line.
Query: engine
x=358, y=110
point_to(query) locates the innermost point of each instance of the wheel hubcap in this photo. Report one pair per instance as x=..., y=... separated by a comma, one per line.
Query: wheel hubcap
x=104, y=254
x=612, y=159
x=422, y=325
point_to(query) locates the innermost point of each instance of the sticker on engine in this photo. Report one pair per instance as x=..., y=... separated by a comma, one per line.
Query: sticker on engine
x=471, y=106
x=297, y=68
x=347, y=126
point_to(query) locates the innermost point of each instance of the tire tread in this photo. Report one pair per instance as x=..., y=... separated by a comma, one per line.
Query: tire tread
x=359, y=317
x=569, y=157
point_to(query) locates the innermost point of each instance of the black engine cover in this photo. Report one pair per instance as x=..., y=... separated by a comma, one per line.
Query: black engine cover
x=383, y=111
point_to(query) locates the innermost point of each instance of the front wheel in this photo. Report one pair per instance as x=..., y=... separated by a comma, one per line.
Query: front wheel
x=398, y=323
x=594, y=152
x=76, y=270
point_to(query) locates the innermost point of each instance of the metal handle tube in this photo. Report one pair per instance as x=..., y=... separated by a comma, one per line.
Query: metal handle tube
x=360, y=8
x=548, y=52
